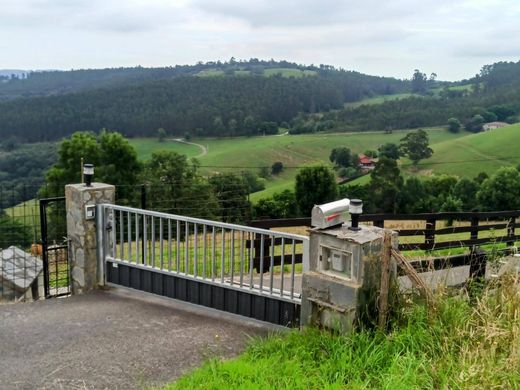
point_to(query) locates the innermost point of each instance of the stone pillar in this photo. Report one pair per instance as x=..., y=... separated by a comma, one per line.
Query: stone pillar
x=81, y=232
x=342, y=285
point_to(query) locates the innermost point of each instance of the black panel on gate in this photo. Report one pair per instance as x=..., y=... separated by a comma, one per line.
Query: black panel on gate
x=263, y=308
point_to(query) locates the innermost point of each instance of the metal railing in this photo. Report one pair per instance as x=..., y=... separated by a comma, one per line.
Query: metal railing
x=257, y=260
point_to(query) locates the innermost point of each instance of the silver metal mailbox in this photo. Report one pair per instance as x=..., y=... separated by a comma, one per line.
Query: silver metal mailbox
x=330, y=214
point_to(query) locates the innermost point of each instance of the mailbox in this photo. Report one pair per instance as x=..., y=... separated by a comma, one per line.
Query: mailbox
x=330, y=214
x=342, y=283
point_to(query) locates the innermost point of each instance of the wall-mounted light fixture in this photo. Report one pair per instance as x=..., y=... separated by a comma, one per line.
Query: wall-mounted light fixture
x=355, y=209
x=88, y=172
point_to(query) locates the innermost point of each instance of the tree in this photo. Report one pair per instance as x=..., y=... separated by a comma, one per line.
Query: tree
x=475, y=124
x=415, y=146
x=264, y=172
x=161, y=134
x=389, y=150
x=115, y=160
x=281, y=205
x=385, y=185
x=314, y=185
x=500, y=191
x=419, y=82
x=466, y=191
x=276, y=168
x=231, y=192
x=341, y=157
x=174, y=186
x=454, y=125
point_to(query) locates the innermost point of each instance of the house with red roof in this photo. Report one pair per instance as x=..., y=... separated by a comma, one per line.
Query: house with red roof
x=367, y=163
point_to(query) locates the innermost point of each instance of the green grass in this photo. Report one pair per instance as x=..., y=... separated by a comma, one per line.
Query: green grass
x=294, y=151
x=462, y=344
x=289, y=72
x=379, y=99
x=482, y=152
x=146, y=146
x=210, y=73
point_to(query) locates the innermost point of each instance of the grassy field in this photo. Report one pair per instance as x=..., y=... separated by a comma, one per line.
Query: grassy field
x=284, y=72
x=289, y=72
x=482, y=152
x=463, y=344
x=378, y=99
x=294, y=151
x=146, y=146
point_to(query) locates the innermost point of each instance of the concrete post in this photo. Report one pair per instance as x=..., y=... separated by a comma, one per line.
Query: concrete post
x=342, y=285
x=81, y=232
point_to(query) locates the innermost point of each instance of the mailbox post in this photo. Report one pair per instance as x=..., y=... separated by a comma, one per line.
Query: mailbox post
x=342, y=285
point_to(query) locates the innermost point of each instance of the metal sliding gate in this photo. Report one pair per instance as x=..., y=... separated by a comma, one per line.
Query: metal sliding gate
x=56, y=269
x=238, y=269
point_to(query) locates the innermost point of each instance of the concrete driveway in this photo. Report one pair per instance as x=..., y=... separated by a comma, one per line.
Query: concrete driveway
x=112, y=340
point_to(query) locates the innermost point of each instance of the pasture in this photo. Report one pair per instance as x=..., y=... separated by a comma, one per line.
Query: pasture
x=294, y=151
x=481, y=152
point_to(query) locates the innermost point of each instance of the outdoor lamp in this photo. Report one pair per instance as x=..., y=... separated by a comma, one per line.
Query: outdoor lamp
x=355, y=208
x=88, y=172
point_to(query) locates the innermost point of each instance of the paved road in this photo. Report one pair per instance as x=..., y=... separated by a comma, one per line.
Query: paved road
x=111, y=340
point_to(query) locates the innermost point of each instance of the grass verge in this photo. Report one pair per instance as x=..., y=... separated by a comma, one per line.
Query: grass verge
x=465, y=343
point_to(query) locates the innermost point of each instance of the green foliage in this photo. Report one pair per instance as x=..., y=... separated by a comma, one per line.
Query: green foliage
x=314, y=185
x=161, y=134
x=475, y=123
x=281, y=205
x=461, y=345
x=231, y=192
x=22, y=171
x=466, y=191
x=174, y=186
x=341, y=157
x=370, y=153
x=501, y=191
x=276, y=168
x=419, y=82
x=415, y=146
x=12, y=232
x=385, y=185
x=114, y=159
x=264, y=172
x=389, y=150
x=454, y=125
x=252, y=181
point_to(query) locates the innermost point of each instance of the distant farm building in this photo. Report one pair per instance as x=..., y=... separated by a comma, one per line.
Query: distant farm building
x=367, y=163
x=494, y=125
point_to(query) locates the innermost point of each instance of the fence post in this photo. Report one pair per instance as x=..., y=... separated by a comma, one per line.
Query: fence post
x=474, y=228
x=477, y=265
x=429, y=233
x=511, y=231
x=81, y=232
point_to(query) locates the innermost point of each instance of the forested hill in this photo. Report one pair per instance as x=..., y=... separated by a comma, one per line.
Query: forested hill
x=47, y=83
x=236, y=98
x=492, y=95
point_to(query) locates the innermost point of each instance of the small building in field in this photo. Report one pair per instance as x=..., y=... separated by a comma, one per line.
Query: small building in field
x=367, y=163
x=21, y=275
x=494, y=125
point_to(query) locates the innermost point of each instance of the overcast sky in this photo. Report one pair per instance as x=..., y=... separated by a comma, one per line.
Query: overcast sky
x=453, y=38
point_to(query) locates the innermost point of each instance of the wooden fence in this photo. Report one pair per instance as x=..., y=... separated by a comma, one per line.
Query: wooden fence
x=430, y=232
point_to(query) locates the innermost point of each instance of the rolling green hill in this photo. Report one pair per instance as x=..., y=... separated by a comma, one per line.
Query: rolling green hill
x=294, y=151
x=482, y=152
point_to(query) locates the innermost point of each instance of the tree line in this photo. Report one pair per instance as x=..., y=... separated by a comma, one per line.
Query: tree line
x=494, y=96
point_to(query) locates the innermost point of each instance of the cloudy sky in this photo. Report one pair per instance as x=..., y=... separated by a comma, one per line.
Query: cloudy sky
x=453, y=38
